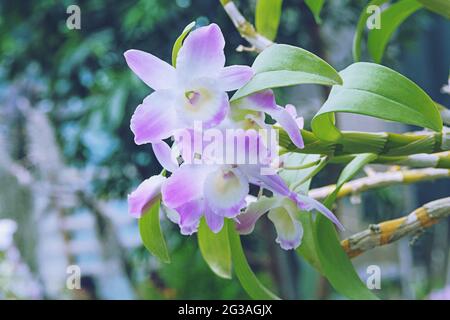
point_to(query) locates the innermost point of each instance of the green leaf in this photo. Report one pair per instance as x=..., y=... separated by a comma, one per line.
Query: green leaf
x=267, y=17
x=441, y=7
x=244, y=273
x=215, y=249
x=315, y=6
x=151, y=235
x=282, y=65
x=357, y=39
x=377, y=91
x=391, y=18
x=349, y=172
x=179, y=42
x=335, y=264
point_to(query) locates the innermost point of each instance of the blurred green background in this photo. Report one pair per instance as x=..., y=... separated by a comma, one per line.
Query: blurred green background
x=68, y=160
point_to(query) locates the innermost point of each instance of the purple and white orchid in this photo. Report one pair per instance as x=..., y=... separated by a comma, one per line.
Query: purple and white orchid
x=214, y=177
x=193, y=91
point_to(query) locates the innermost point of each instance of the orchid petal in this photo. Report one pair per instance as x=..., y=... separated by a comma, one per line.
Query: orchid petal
x=154, y=119
x=145, y=194
x=157, y=74
x=184, y=185
x=272, y=182
x=214, y=221
x=234, y=77
x=289, y=124
x=190, y=214
x=208, y=105
x=202, y=53
x=289, y=229
x=246, y=221
x=305, y=202
x=225, y=191
x=165, y=156
x=262, y=101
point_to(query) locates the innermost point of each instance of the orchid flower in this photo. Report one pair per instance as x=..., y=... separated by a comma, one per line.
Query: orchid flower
x=283, y=212
x=193, y=91
x=249, y=111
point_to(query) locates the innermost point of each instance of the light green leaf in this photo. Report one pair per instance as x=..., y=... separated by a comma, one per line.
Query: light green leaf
x=179, y=42
x=315, y=6
x=377, y=91
x=334, y=262
x=441, y=7
x=282, y=65
x=357, y=39
x=215, y=249
x=267, y=17
x=349, y=172
x=391, y=18
x=151, y=235
x=244, y=273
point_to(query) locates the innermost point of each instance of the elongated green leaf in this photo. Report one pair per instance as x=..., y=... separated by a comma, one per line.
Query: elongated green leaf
x=335, y=264
x=377, y=91
x=179, y=42
x=282, y=65
x=244, y=273
x=215, y=249
x=151, y=235
x=441, y=7
x=267, y=17
x=357, y=39
x=391, y=18
x=349, y=172
x=315, y=6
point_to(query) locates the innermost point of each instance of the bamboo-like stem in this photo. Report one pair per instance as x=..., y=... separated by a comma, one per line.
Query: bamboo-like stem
x=380, y=180
x=421, y=160
x=245, y=28
x=389, y=231
x=383, y=143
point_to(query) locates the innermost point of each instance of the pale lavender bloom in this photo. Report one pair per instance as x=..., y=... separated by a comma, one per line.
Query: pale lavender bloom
x=283, y=212
x=193, y=91
x=146, y=194
x=264, y=102
x=218, y=191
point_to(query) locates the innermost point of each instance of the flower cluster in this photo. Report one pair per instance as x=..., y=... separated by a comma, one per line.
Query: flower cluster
x=219, y=148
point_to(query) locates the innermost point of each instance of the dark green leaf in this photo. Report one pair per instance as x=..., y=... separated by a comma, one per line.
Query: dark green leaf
x=267, y=17
x=315, y=6
x=244, y=273
x=441, y=7
x=282, y=65
x=377, y=91
x=215, y=249
x=391, y=18
x=335, y=264
x=151, y=235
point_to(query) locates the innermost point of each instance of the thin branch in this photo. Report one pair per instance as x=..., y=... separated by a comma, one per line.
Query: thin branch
x=380, y=180
x=245, y=28
x=392, y=230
